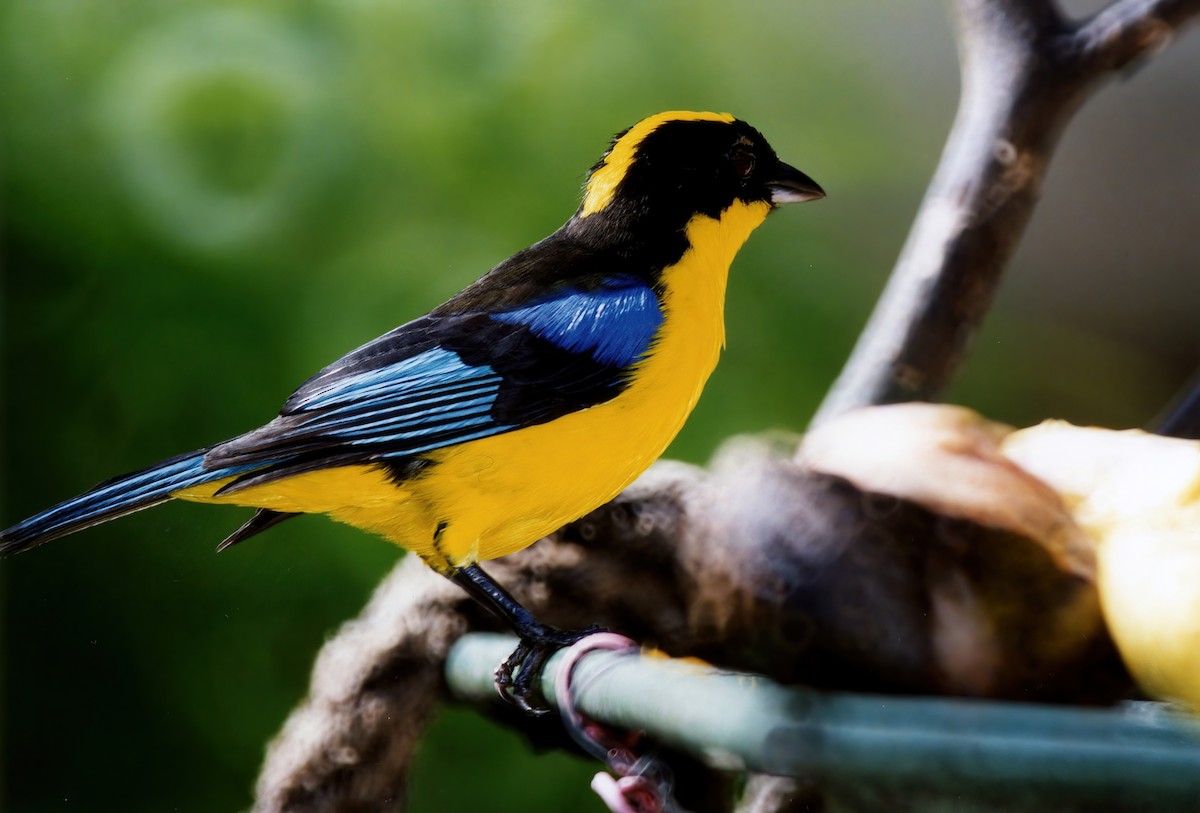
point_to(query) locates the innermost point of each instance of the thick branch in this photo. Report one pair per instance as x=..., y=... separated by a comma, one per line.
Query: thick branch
x=1025, y=72
x=349, y=745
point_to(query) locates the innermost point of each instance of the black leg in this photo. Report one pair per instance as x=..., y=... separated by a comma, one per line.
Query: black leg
x=538, y=641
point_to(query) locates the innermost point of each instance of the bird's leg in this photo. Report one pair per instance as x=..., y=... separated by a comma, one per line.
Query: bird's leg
x=516, y=678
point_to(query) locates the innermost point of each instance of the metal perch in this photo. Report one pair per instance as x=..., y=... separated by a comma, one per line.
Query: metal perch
x=968, y=749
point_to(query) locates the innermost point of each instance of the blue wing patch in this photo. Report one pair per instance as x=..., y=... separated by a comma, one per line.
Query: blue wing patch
x=614, y=324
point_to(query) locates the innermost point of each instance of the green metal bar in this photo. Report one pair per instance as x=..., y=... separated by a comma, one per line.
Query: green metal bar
x=973, y=749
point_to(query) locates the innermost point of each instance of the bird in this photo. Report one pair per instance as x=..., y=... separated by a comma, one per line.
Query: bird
x=533, y=396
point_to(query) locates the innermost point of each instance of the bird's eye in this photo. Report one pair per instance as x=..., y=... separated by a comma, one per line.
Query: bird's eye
x=743, y=162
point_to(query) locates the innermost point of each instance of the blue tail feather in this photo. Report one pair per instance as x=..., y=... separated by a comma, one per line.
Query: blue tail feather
x=113, y=498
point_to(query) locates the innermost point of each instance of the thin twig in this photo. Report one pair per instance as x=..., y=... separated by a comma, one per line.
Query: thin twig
x=1181, y=418
x=1025, y=72
x=1130, y=30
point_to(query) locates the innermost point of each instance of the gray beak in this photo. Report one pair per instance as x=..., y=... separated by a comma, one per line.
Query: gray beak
x=790, y=185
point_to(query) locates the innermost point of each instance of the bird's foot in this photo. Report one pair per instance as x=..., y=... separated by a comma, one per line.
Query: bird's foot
x=517, y=678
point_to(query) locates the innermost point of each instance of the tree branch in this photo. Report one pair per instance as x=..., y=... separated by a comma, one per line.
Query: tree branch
x=349, y=745
x=1025, y=71
x=1129, y=30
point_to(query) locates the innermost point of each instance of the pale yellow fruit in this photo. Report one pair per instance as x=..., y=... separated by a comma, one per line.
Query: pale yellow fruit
x=1137, y=496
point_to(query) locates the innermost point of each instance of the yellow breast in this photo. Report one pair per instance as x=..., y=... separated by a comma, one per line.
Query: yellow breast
x=493, y=496
x=507, y=491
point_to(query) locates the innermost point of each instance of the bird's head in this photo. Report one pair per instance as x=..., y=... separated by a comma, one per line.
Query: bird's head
x=673, y=166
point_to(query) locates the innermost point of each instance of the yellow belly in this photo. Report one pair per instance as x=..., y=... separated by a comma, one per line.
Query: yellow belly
x=497, y=495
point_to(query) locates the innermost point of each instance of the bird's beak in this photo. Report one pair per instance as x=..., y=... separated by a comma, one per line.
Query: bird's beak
x=790, y=185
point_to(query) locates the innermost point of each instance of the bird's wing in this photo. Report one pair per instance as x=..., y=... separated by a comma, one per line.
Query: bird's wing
x=448, y=379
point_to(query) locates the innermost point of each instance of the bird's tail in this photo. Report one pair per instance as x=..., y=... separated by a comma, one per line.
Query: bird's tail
x=111, y=499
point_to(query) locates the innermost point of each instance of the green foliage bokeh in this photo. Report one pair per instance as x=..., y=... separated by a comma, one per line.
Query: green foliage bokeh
x=203, y=203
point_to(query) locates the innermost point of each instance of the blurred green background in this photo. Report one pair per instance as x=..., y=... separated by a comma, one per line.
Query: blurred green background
x=205, y=202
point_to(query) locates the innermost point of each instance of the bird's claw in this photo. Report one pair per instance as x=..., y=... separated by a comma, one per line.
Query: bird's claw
x=517, y=678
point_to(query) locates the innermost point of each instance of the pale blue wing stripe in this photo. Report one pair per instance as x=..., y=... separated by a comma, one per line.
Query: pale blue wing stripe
x=436, y=367
x=480, y=408
x=494, y=429
x=352, y=412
